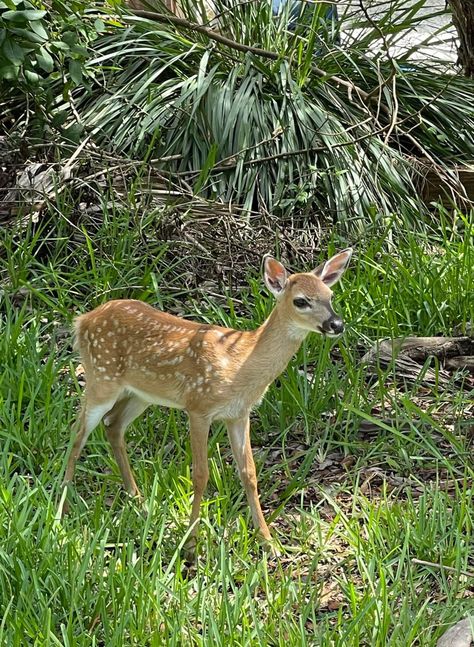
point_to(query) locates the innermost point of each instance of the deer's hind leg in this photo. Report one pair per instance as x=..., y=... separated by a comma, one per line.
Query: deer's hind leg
x=94, y=408
x=116, y=422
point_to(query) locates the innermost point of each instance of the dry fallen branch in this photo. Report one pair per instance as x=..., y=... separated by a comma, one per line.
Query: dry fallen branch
x=443, y=567
x=465, y=362
x=406, y=353
x=420, y=348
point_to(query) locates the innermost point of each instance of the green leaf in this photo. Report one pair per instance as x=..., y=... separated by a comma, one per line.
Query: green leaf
x=13, y=16
x=70, y=37
x=60, y=118
x=75, y=71
x=45, y=60
x=31, y=76
x=12, y=4
x=23, y=16
x=74, y=132
x=29, y=36
x=99, y=25
x=33, y=14
x=60, y=46
x=78, y=49
x=39, y=29
x=9, y=72
x=13, y=53
x=206, y=168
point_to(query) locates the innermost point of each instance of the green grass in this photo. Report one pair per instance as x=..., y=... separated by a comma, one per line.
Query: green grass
x=352, y=504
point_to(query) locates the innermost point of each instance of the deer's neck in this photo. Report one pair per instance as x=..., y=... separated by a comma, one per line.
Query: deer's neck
x=276, y=341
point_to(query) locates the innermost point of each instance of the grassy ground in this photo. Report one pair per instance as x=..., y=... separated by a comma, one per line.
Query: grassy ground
x=358, y=477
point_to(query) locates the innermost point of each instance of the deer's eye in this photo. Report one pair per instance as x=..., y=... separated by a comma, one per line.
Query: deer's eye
x=301, y=303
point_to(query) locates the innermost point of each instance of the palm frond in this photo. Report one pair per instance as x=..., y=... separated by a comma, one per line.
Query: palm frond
x=274, y=132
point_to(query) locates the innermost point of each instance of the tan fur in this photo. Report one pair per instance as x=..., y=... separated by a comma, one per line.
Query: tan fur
x=134, y=355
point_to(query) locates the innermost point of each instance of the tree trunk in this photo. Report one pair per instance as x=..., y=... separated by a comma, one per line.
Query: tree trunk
x=463, y=20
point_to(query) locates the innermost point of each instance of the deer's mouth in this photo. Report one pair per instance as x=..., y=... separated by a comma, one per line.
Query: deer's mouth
x=327, y=333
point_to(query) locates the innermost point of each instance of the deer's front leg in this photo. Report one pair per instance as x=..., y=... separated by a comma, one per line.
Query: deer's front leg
x=199, y=433
x=239, y=434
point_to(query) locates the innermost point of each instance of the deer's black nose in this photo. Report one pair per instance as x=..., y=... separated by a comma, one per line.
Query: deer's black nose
x=334, y=326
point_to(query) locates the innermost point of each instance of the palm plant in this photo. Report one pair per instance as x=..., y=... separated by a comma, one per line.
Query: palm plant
x=272, y=118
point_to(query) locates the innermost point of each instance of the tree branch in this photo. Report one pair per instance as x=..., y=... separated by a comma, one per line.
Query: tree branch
x=258, y=51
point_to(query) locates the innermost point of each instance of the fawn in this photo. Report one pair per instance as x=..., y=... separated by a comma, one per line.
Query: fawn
x=134, y=355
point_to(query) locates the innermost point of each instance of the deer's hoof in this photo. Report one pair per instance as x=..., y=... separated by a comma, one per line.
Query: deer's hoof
x=189, y=551
x=270, y=546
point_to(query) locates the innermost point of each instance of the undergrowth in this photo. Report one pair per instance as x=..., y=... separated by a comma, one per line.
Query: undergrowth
x=358, y=477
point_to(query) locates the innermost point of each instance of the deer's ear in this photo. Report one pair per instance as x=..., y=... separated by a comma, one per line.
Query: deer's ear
x=331, y=271
x=274, y=275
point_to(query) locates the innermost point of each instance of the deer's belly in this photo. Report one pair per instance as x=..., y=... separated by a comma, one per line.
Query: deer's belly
x=152, y=398
x=238, y=407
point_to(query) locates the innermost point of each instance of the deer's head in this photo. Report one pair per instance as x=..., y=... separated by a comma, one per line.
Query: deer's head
x=306, y=298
